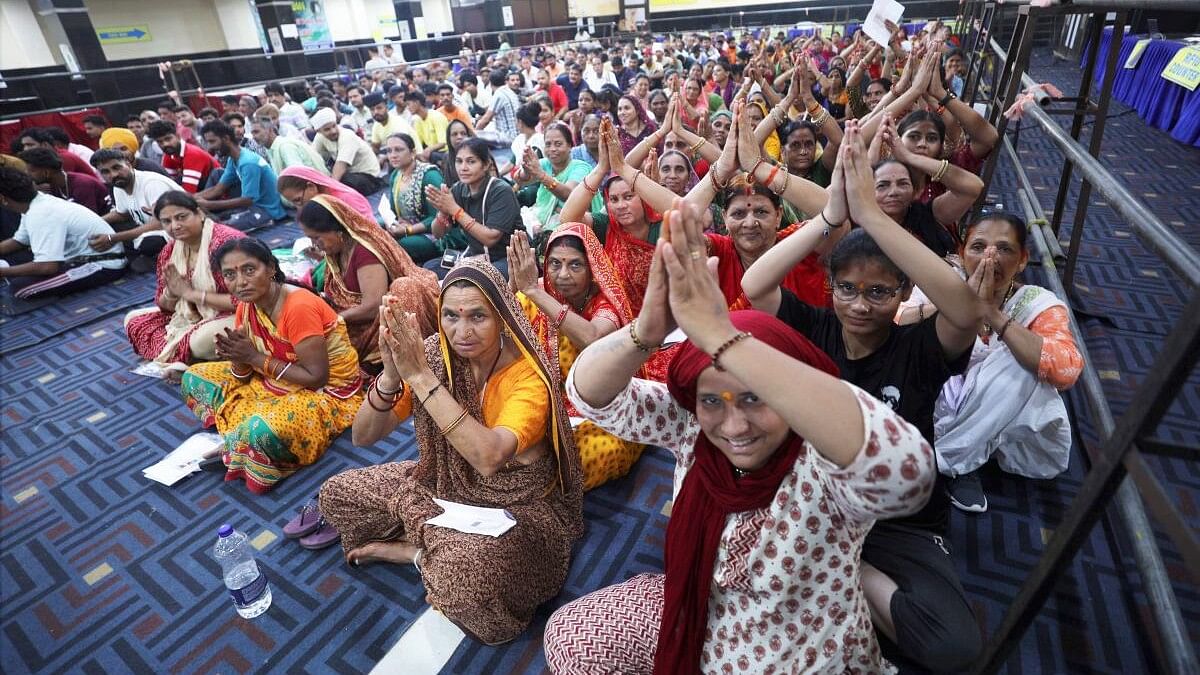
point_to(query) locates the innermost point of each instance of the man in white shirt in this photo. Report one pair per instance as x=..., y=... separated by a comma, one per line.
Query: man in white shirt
x=134, y=195
x=596, y=76
x=354, y=162
x=57, y=232
x=290, y=112
x=375, y=63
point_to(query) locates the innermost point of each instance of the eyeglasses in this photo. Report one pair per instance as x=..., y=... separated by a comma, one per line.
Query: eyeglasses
x=876, y=295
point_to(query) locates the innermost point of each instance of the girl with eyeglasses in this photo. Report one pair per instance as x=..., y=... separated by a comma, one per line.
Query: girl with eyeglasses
x=916, y=599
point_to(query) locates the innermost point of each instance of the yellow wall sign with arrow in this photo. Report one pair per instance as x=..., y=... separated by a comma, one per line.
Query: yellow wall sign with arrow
x=115, y=35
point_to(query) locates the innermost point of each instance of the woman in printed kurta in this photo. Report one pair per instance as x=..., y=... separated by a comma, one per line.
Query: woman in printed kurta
x=1007, y=403
x=493, y=432
x=774, y=494
x=191, y=301
x=290, y=380
x=575, y=303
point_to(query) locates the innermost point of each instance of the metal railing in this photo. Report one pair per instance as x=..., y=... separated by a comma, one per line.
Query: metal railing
x=1125, y=439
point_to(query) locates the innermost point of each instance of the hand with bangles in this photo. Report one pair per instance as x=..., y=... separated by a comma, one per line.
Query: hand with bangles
x=694, y=296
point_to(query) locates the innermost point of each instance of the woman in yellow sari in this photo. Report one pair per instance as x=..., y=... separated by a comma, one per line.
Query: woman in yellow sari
x=363, y=262
x=289, y=382
x=578, y=301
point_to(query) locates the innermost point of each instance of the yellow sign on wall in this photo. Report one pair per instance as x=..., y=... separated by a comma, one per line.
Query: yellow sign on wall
x=1184, y=69
x=115, y=35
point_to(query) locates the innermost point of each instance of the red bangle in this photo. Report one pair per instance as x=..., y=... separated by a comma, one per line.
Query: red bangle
x=771, y=176
x=457, y=213
x=562, y=316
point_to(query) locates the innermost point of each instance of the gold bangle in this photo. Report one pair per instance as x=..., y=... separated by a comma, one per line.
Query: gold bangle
x=699, y=144
x=937, y=177
x=455, y=423
x=637, y=342
x=587, y=187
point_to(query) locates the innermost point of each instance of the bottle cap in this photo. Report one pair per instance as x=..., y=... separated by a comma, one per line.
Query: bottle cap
x=225, y=530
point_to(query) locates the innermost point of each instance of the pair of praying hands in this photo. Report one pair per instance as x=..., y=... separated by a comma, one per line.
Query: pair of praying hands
x=401, y=347
x=176, y=285
x=612, y=157
x=522, y=264
x=741, y=151
x=233, y=345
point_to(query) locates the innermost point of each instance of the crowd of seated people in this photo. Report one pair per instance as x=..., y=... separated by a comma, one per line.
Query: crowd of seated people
x=554, y=261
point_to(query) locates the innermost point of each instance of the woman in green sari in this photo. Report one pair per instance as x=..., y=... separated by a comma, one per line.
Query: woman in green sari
x=551, y=179
x=406, y=197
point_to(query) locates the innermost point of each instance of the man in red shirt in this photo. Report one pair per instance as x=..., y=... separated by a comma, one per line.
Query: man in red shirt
x=187, y=163
x=558, y=95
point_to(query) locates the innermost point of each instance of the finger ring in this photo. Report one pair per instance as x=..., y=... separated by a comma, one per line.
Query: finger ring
x=695, y=255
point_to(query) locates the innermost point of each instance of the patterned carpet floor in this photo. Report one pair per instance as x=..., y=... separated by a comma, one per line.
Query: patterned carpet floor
x=104, y=571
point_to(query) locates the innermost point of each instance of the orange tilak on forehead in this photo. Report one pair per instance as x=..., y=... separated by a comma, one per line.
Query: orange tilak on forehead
x=727, y=396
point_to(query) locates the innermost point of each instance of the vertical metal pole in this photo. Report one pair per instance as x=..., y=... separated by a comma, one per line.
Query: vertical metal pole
x=1010, y=83
x=1082, y=106
x=1085, y=189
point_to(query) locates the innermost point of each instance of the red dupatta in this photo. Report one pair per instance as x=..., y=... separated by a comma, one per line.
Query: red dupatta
x=607, y=288
x=806, y=279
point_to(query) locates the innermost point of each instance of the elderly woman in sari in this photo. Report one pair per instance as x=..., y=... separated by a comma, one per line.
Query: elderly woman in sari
x=578, y=301
x=191, y=302
x=298, y=184
x=493, y=432
x=1007, y=403
x=362, y=264
x=410, y=218
x=289, y=382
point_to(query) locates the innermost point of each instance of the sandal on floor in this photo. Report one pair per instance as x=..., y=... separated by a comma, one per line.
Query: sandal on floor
x=324, y=536
x=304, y=524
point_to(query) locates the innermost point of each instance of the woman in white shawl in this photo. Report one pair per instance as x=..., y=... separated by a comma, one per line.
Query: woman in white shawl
x=1007, y=403
x=191, y=303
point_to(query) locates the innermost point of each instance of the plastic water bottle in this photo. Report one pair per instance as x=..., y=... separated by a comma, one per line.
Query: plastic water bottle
x=246, y=583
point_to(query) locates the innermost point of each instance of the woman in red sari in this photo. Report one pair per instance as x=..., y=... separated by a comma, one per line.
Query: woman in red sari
x=626, y=232
x=753, y=215
x=191, y=303
x=578, y=301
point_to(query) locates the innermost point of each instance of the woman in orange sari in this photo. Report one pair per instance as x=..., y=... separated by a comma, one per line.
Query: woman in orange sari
x=289, y=382
x=578, y=301
x=363, y=262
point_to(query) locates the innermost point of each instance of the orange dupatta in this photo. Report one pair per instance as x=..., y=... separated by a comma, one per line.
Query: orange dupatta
x=344, y=377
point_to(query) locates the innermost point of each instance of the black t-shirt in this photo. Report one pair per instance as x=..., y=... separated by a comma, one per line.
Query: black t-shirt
x=921, y=222
x=906, y=372
x=503, y=213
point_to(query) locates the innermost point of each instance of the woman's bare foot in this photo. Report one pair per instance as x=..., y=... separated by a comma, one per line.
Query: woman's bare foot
x=396, y=552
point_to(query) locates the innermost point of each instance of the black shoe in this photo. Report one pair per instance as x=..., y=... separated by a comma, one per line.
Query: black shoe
x=966, y=493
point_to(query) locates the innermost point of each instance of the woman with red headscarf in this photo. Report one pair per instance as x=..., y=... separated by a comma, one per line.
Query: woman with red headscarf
x=576, y=302
x=624, y=228
x=774, y=492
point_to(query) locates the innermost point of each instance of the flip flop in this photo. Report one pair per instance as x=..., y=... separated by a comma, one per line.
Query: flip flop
x=304, y=524
x=324, y=536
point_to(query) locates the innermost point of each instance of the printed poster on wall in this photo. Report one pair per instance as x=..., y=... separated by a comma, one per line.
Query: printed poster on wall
x=312, y=24
x=258, y=26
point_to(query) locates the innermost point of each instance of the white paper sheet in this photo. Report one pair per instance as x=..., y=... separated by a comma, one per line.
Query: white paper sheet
x=150, y=369
x=183, y=460
x=674, y=336
x=473, y=519
x=882, y=10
